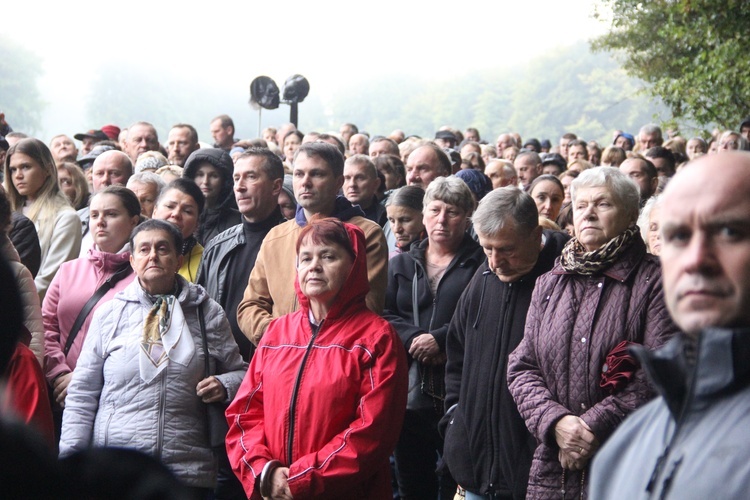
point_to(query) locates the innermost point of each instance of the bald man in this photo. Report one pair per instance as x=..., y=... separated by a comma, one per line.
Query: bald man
x=425, y=164
x=505, y=141
x=111, y=168
x=501, y=173
x=141, y=137
x=359, y=144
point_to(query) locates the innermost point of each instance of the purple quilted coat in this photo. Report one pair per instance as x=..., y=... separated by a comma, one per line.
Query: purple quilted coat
x=573, y=322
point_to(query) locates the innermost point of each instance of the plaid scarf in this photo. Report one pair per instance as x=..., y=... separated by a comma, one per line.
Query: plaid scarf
x=575, y=259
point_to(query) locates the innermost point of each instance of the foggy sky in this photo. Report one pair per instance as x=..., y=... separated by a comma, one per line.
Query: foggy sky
x=334, y=44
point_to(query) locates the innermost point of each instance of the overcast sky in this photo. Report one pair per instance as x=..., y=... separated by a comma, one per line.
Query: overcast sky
x=332, y=43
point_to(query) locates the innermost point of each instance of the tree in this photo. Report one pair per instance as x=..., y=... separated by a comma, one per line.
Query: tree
x=691, y=52
x=20, y=99
x=569, y=89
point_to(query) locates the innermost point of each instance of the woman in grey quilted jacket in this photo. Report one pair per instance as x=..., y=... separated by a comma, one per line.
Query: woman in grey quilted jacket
x=140, y=381
x=571, y=376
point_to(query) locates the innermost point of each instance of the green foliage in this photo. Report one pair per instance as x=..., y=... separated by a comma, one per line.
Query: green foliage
x=691, y=52
x=20, y=99
x=568, y=90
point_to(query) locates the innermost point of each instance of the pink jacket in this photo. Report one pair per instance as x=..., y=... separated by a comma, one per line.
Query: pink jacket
x=71, y=288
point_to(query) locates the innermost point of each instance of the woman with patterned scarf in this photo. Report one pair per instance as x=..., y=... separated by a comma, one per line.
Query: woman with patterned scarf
x=572, y=377
x=141, y=381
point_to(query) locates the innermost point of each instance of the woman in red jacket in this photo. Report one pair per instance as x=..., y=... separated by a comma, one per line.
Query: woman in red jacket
x=321, y=406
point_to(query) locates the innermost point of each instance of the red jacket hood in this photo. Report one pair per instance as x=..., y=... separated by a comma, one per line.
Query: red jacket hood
x=356, y=287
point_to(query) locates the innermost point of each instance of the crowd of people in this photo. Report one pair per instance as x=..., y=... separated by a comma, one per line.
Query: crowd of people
x=350, y=315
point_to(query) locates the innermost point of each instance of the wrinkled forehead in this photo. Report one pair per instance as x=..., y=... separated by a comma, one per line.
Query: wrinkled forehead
x=61, y=140
x=423, y=155
x=108, y=162
x=154, y=237
x=141, y=131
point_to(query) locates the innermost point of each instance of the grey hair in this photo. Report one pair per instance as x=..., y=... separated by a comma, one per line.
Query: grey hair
x=643, y=219
x=392, y=145
x=531, y=154
x=147, y=177
x=450, y=190
x=650, y=129
x=624, y=191
x=500, y=204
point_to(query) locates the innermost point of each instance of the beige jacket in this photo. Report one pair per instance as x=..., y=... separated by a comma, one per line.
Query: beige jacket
x=270, y=290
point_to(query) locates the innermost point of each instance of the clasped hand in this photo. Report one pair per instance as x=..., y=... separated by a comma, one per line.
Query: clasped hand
x=425, y=349
x=576, y=441
x=210, y=390
x=280, y=484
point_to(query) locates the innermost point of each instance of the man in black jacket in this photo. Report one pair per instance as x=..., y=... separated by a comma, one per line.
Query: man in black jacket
x=488, y=449
x=229, y=258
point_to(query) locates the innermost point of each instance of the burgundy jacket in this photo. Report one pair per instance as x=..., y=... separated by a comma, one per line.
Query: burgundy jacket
x=574, y=321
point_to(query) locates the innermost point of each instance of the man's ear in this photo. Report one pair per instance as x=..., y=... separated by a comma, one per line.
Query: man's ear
x=277, y=183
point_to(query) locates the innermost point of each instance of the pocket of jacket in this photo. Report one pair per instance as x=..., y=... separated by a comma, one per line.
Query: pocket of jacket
x=456, y=451
x=107, y=424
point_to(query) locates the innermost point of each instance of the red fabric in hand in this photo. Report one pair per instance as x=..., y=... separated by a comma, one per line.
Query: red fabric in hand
x=619, y=367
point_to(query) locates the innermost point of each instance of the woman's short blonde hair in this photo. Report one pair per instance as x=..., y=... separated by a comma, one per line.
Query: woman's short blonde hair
x=168, y=170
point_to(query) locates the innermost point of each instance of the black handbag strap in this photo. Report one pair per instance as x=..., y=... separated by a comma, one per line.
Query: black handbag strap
x=415, y=298
x=122, y=272
x=202, y=321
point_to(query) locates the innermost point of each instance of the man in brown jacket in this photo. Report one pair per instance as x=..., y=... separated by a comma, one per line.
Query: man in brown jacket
x=318, y=177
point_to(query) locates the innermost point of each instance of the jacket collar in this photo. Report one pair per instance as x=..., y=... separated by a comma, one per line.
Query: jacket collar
x=188, y=294
x=108, y=262
x=343, y=210
x=266, y=224
x=550, y=251
x=8, y=250
x=465, y=252
x=715, y=363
